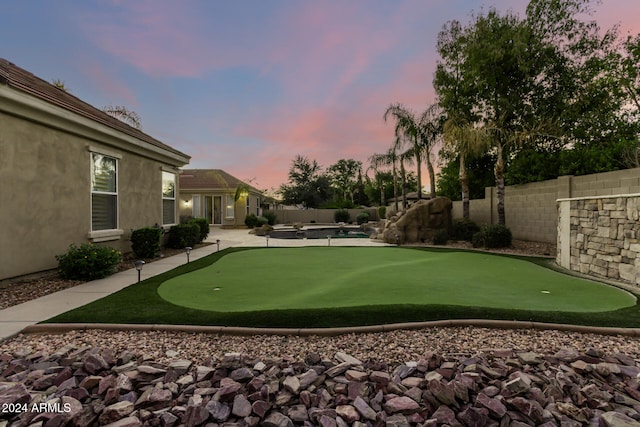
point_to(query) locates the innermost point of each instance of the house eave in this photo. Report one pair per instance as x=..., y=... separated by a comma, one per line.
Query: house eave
x=30, y=108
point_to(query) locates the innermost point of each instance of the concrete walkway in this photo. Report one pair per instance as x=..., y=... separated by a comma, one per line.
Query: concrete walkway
x=14, y=319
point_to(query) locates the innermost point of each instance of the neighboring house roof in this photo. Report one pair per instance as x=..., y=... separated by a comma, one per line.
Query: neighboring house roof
x=210, y=179
x=24, y=81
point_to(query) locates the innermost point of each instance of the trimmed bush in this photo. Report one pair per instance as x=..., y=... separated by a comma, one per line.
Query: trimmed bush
x=203, y=224
x=478, y=239
x=183, y=235
x=464, y=229
x=260, y=221
x=251, y=220
x=440, y=237
x=492, y=236
x=145, y=242
x=342, y=215
x=362, y=218
x=271, y=218
x=382, y=212
x=496, y=236
x=88, y=262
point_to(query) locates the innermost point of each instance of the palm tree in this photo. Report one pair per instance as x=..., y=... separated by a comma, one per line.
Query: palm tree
x=422, y=133
x=430, y=127
x=390, y=158
x=406, y=158
x=407, y=126
x=463, y=139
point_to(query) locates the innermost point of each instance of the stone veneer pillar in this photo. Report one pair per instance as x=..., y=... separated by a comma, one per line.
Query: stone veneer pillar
x=600, y=236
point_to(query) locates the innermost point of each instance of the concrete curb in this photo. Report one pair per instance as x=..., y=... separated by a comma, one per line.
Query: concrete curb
x=50, y=328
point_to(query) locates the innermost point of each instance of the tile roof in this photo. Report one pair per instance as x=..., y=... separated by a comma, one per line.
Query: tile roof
x=24, y=81
x=210, y=179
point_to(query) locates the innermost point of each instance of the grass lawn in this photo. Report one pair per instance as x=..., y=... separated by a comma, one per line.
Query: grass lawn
x=343, y=286
x=322, y=277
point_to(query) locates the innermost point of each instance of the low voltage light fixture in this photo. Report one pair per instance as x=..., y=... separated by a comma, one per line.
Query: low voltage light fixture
x=188, y=251
x=139, y=264
x=328, y=240
x=266, y=236
x=218, y=243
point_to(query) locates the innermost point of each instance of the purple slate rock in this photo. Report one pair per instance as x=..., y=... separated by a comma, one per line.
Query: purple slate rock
x=228, y=389
x=474, y=417
x=495, y=407
x=241, y=406
x=218, y=410
x=13, y=393
x=260, y=407
x=402, y=404
x=348, y=413
x=277, y=419
x=364, y=409
x=529, y=408
x=95, y=363
x=445, y=415
x=195, y=415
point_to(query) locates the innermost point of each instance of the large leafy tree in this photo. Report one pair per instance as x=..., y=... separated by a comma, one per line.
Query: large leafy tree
x=542, y=88
x=307, y=185
x=345, y=176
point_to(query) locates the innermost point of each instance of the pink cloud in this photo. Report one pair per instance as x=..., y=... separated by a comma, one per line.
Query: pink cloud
x=113, y=89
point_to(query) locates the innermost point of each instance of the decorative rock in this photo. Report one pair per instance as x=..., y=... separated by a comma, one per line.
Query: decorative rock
x=402, y=404
x=292, y=384
x=126, y=422
x=495, y=407
x=241, y=406
x=348, y=413
x=276, y=419
x=345, y=358
x=219, y=411
x=616, y=419
x=241, y=374
x=116, y=412
x=260, y=407
x=364, y=409
x=298, y=413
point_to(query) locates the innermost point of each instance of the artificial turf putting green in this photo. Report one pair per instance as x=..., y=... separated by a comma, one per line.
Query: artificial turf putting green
x=325, y=277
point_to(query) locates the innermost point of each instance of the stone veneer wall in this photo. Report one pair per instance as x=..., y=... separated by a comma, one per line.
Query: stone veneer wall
x=600, y=236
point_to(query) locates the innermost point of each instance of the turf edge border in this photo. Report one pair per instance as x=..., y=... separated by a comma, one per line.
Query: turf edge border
x=232, y=330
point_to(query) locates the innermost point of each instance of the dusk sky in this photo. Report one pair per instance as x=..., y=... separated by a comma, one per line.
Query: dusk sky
x=245, y=86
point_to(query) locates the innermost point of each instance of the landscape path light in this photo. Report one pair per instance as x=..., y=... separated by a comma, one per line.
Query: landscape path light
x=188, y=251
x=218, y=243
x=139, y=264
x=328, y=240
x=267, y=237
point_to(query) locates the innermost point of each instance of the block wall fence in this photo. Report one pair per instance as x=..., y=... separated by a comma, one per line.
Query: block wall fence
x=531, y=209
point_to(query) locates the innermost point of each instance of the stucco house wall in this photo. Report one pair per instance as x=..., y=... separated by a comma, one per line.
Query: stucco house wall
x=45, y=175
x=203, y=191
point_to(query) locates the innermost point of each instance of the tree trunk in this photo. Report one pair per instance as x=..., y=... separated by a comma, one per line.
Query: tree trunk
x=432, y=177
x=464, y=182
x=499, y=173
x=418, y=169
x=395, y=186
x=404, y=185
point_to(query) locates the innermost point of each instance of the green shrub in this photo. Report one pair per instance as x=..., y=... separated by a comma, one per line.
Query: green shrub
x=251, y=220
x=496, y=236
x=271, y=218
x=260, y=221
x=492, y=236
x=478, y=239
x=362, y=217
x=203, y=224
x=440, y=237
x=464, y=229
x=145, y=242
x=183, y=235
x=341, y=215
x=88, y=262
x=382, y=212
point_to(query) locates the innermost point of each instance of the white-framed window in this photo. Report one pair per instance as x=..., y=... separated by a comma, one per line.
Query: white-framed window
x=104, y=192
x=168, y=198
x=196, y=210
x=230, y=206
